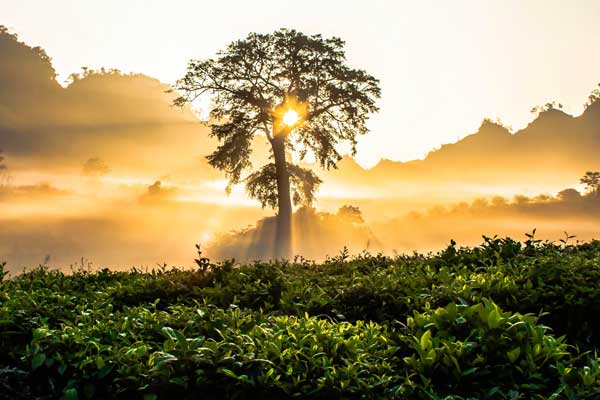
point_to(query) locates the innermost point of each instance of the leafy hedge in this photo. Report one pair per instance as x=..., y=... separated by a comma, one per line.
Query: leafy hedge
x=504, y=320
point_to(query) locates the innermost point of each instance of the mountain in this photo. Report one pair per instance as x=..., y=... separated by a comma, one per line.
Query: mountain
x=129, y=122
x=555, y=148
x=125, y=119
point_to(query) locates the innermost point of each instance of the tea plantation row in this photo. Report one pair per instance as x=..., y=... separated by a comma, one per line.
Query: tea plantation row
x=504, y=320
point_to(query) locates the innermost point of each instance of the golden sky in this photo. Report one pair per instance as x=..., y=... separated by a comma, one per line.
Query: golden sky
x=443, y=65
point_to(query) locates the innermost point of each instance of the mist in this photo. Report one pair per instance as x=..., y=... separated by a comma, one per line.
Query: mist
x=106, y=171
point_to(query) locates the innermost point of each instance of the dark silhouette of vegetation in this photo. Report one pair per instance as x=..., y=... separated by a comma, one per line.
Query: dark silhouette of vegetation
x=553, y=105
x=4, y=176
x=592, y=181
x=593, y=97
x=346, y=228
x=157, y=193
x=95, y=167
x=351, y=214
x=255, y=82
x=2, y=164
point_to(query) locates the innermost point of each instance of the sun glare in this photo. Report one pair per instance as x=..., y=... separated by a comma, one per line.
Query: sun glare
x=291, y=117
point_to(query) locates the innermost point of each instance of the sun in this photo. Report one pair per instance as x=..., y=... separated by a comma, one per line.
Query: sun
x=291, y=117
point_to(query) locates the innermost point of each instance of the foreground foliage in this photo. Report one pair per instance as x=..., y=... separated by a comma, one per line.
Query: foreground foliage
x=504, y=320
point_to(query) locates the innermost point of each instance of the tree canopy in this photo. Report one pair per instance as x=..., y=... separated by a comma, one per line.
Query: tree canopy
x=592, y=180
x=252, y=78
x=297, y=91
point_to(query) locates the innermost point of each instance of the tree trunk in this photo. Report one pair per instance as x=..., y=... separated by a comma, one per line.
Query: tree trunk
x=283, y=234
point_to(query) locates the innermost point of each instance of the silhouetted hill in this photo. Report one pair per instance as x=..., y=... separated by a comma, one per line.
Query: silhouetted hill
x=555, y=147
x=27, y=81
x=112, y=98
x=128, y=119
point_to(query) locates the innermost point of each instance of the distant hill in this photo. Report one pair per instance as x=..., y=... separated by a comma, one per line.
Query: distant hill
x=128, y=120
x=555, y=147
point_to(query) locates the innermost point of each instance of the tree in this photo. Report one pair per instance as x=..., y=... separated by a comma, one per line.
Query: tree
x=568, y=195
x=546, y=107
x=294, y=89
x=592, y=182
x=2, y=165
x=4, y=177
x=350, y=214
x=593, y=97
x=95, y=167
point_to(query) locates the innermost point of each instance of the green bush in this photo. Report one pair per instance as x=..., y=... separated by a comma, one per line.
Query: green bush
x=499, y=321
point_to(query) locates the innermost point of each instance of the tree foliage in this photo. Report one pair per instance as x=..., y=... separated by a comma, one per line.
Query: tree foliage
x=2, y=164
x=546, y=107
x=95, y=167
x=351, y=213
x=593, y=97
x=592, y=180
x=254, y=77
x=262, y=185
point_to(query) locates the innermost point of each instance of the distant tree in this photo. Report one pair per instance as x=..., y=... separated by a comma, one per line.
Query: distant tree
x=568, y=195
x=95, y=167
x=521, y=200
x=2, y=164
x=351, y=214
x=542, y=198
x=499, y=202
x=593, y=97
x=546, y=107
x=592, y=182
x=480, y=203
x=4, y=177
x=87, y=72
x=298, y=92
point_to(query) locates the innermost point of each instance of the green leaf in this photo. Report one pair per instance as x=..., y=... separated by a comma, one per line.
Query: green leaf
x=426, y=340
x=38, y=360
x=71, y=394
x=494, y=319
x=513, y=355
x=169, y=333
x=229, y=372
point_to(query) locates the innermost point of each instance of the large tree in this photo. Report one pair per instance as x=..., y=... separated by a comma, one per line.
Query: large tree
x=298, y=92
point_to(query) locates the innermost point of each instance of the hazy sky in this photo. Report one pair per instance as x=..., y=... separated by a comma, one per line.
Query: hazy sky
x=443, y=65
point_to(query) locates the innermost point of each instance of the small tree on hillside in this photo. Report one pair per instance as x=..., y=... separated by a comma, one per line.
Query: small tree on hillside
x=593, y=97
x=546, y=107
x=592, y=182
x=2, y=165
x=294, y=89
x=3, y=175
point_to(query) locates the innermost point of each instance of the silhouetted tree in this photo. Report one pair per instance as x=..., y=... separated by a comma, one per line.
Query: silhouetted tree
x=351, y=214
x=254, y=82
x=95, y=167
x=546, y=107
x=4, y=177
x=568, y=195
x=592, y=182
x=2, y=164
x=593, y=97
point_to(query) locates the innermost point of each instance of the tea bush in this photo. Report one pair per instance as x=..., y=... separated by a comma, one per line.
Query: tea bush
x=504, y=320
